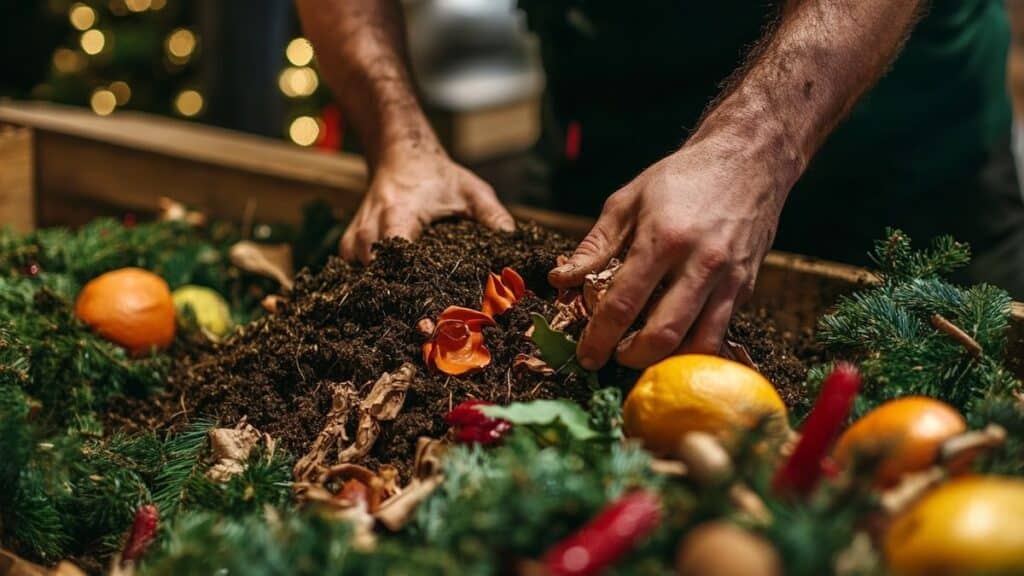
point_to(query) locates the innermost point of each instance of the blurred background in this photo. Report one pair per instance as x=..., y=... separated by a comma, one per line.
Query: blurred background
x=244, y=65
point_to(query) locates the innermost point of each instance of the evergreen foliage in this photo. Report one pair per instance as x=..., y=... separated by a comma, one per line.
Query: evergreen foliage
x=889, y=329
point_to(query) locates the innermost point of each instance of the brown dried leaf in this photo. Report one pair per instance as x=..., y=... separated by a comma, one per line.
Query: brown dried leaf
x=173, y=211
x=570, y=308
x=271, y=260
x=310, y=466
x=738, y=353
x=383, y=403
x=272, y=303
x=395, y=512
x=231, y=449
x=596, y=284
x=532, y=364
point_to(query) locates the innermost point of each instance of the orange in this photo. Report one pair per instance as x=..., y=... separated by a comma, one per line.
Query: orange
x=697, y=392
x=131, y=307
x=971, y=525
x=905, y=433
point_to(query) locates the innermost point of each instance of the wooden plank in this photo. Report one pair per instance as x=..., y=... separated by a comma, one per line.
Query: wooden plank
x=17, y=183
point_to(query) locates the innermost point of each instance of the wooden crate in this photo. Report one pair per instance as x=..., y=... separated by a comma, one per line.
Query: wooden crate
x=62, y=166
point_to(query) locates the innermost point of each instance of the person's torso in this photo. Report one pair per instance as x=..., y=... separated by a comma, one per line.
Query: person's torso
x=635, y=77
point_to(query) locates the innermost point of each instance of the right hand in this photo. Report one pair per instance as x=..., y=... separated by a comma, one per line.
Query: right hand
x=411, y=190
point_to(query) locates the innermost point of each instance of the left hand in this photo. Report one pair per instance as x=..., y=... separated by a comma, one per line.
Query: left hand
x=697, y=224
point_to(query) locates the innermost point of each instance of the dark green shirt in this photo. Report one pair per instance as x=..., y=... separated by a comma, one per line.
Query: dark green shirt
x=636, y=77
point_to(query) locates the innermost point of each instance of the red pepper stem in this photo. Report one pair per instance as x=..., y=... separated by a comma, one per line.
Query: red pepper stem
x=801, y=472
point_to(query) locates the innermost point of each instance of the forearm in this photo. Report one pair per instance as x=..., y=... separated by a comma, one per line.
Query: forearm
x=360, y=45
x=804, y=78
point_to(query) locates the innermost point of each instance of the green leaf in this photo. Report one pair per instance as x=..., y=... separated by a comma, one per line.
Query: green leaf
x=558, y=350
x=545, y=413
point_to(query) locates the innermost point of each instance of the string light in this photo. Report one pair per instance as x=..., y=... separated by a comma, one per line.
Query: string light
x=93, y=42
x=138, y=5
x=122, y=91
x=68, y=61
x=189, y=103
x=180, y=45
x=296, y=82
x=103, y=102
x=299, y=52
x=82, y=17
x=304, y=130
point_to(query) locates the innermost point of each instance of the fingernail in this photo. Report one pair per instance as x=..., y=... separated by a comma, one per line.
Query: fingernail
x=565, y=268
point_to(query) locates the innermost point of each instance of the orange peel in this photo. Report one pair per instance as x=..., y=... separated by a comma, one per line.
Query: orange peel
x=457, y=345
x=502, y=292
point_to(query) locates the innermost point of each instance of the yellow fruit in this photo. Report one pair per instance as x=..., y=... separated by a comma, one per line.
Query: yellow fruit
x=696, y=392
x=972, y=525
x=906, y=433
x=131, y=307
x=209, y=308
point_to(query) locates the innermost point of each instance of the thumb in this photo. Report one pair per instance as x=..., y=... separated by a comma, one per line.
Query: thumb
x=604, y=241
x=487, y=209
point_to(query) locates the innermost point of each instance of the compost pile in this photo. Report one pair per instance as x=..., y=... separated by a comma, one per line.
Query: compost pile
x=352, y=323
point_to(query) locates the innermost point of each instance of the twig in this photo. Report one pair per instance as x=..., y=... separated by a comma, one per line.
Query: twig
x=940, y=323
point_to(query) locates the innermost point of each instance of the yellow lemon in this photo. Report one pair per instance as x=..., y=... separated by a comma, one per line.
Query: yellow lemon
x=697, y=392
x=972, y=525
x=209, y=308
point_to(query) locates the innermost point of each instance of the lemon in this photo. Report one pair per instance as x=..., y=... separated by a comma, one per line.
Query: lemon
x=697, y=392
x=209, y=308
x=972, y=525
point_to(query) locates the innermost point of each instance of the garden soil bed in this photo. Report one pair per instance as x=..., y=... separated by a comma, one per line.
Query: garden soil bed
x=351, y=323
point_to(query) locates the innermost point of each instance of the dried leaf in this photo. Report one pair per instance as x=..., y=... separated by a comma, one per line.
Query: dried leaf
x=532, y=364
x=383, y=403
x=271, y=260
x=570, y=309
x=231, y=449
x=596, y=284
x=396, y=511
x=738, y=353
x=310, y=466
x=272, y=303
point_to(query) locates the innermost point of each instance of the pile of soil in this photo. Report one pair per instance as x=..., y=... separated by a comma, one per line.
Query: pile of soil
x=351, y=323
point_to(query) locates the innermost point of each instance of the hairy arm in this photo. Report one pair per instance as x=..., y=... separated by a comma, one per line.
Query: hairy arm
x=360, y=46
x=697, y=224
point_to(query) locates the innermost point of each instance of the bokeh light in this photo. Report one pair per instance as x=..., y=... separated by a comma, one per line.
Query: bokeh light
x=304, y=130
x=299, y=52
x=68, y=61
x=181, y=44
x=93, y=42
x=103, y=102
x=189, y=103
x=82, y=17
x=138, y=5
x=298, y=82
x=122, y=91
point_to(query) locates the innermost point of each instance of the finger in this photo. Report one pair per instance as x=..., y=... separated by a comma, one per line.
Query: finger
x=708, y=331
x=485, y=207
x=365, y=236
x=670, y=320
x=348, y=242
x=403, y=225
x=604, y=241
x=633, y=285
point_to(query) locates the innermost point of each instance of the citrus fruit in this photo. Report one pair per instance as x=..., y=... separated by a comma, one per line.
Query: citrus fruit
x=697, y=392
x=905, y=434
x=208, y=307
x=131, y=307
x=970, y=525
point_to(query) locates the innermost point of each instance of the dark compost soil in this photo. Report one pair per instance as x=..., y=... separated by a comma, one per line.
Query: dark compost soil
x=352, y=323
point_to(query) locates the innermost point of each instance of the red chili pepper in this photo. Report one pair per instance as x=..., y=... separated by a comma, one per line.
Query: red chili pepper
x=143, y=532
x=607, y=537
x=474, y=427
x=801, y=472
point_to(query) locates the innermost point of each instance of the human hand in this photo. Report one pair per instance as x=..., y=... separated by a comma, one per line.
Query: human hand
x=411, y=190
x=697, y=225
